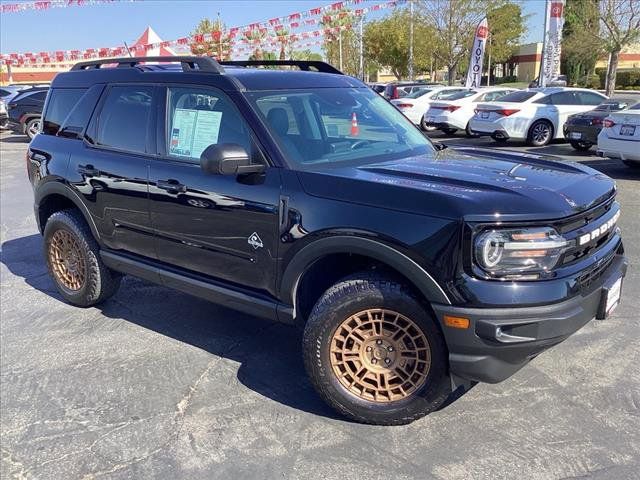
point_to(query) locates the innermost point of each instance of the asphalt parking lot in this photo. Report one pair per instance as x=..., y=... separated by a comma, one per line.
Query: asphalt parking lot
x=158, y=384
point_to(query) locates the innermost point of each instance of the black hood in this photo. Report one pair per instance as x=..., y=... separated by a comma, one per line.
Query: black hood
x=473, y=183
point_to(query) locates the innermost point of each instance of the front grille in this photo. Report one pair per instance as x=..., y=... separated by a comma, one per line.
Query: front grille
x=592, y=274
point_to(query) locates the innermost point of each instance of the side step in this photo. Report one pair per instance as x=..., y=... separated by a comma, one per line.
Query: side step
x=242, y=301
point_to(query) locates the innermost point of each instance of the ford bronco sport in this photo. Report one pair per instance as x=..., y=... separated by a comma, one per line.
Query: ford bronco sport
x=302, y=196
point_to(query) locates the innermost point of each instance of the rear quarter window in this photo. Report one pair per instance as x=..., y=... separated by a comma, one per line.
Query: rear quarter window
x=61, y=103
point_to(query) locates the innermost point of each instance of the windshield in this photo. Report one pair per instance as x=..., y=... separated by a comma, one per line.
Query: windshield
x=419, y=93
x=517, y=97
x=331, y=126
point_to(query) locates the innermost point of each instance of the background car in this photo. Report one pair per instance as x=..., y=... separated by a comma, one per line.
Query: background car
x=395, y=90
x=454, y=113
x=25, y=111
x=582, y=129
x=378, y=87
x=417, y=103
x=4, y=118
x=620, y=136
x=536, y=115
x=10, y=91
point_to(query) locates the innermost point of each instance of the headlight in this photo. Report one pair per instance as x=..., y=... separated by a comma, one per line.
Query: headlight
x=521, y=253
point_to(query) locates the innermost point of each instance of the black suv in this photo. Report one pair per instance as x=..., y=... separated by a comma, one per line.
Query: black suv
x=300, y=195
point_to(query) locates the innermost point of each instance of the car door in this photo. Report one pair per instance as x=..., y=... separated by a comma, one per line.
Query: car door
x=562, y=105
x=222, y=226
x=109, y=170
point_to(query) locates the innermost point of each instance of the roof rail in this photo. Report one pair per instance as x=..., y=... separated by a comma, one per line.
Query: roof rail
x=306, y=65
x=204, y=64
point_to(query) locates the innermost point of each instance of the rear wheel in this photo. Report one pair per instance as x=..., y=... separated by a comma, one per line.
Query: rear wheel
x=540, y=133
x=470, y=133
x=374, y=353
x=425, y=127
x=74, y=262
x=581, y=146
x=32, y=128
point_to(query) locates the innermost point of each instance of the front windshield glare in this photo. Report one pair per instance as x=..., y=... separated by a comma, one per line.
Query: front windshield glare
x=335, y=126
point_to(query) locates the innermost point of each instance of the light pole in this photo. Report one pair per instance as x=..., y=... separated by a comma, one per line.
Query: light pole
x=410, y=39
x=361, y=67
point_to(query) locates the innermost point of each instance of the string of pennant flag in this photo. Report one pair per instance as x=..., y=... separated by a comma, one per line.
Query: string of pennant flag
x=272, y=32
x=48, y=4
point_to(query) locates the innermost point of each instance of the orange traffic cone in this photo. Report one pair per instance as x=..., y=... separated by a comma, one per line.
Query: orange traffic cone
x=355, y=130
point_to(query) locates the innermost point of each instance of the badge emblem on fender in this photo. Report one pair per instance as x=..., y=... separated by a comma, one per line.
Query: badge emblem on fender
x=255, y=241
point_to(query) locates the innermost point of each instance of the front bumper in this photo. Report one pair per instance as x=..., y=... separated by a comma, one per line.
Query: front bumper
x=500, y=341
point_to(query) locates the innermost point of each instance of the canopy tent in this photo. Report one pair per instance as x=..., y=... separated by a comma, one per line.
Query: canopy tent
x=150, y=36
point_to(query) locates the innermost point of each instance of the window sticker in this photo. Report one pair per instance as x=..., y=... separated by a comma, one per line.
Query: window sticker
x=192, y=131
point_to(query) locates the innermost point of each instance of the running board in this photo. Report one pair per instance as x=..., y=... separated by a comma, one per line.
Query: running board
x=234, y=299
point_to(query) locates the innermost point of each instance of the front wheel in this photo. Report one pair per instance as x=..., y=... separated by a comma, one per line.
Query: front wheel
x=581, y=146
x=374, y=353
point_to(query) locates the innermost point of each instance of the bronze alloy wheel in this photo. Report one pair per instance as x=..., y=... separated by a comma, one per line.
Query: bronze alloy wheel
x=67, y=260
x=380, y=355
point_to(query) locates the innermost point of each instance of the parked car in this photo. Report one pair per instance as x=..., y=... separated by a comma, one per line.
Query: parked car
x=454, y=112
x=414, y=105
x=581, y=130
x=559, y=81
x=399, y=260
x=378, y=87
x=4, y=118
x=536, y=115
x=25, y=110
x=395, y=90
x=620, y=136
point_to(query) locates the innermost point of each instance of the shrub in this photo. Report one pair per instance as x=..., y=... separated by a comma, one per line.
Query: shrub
x=591, y=81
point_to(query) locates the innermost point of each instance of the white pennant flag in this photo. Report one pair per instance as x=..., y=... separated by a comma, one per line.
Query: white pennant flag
x=550, y=67
x=474, y=75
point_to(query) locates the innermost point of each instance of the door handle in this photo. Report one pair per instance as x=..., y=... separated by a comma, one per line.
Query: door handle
x=171, y=186
x=88, y=170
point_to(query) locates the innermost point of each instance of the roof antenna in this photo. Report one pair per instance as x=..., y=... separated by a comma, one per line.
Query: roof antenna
x=127, y=47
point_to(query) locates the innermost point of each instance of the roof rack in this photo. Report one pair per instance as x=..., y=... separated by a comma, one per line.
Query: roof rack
x=306, y=65
x=204, y=64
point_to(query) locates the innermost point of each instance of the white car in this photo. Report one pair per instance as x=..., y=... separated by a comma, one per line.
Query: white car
x=620, y=136
x=536, y=115
x=417, y=103
x=455, y=113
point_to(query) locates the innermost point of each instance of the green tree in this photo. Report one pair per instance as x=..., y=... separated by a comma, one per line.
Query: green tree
x=219, y=47
x=343, y=44
x=386, y=43
x=581, y=45
x=454, y=22
x=305, y=55
x=506, y=27
x=620, y=27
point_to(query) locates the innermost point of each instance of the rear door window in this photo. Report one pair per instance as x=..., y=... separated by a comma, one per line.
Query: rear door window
x=565, y=98
x=590, y=98
x=124, y=118
x=61, y=102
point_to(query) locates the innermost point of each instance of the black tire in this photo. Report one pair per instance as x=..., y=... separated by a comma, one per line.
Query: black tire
x=581, y=146
x=540, y=133
x=425, y=127
x=469, y=133
x=32, y=127
x=632, y=163
x=500, y=139
x=346, y=298
x=449, y=131
x=99, y=281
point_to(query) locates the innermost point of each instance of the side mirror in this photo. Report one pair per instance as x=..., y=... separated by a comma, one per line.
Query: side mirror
x=228, y=159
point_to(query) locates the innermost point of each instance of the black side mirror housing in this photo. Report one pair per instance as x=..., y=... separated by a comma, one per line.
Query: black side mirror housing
x=228, y=159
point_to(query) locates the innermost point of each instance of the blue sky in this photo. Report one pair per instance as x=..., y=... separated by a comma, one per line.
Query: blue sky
x=108, y=25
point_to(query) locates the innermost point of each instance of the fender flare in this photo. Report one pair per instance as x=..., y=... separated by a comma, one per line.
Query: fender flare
x=416, y=274
x=58, y=188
